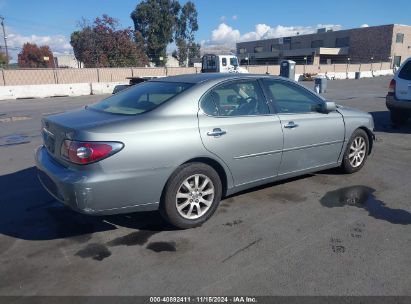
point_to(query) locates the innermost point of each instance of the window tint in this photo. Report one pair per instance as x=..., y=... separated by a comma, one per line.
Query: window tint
x=405, y=72
x=141, y=98
x=290, y=98
x=224, y=61
x=235, y=99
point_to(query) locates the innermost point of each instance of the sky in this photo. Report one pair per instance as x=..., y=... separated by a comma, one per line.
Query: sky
x=221, y=23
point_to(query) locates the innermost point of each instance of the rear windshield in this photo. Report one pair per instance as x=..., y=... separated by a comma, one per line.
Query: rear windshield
x=405, y=72
x=141, y=98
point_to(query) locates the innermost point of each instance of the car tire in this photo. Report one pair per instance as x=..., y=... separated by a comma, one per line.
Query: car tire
x=188, y=201
x=399, y=117
x=356, y=152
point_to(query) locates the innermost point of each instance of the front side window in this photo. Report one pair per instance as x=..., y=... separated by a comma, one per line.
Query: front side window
x=290, y=98
x=141, y=98
x=234, y=61
x=238, y=98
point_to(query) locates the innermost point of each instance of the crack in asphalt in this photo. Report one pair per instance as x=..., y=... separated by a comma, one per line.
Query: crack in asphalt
x=241, y=250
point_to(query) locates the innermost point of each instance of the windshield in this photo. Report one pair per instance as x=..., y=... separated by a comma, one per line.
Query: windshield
x=141, y=98
x=234, y=61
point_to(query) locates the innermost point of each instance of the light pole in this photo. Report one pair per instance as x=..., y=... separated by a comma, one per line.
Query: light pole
x=5, y=40
x=372, y=59
x=348, y=63
x=305, y=63
x=248, y=62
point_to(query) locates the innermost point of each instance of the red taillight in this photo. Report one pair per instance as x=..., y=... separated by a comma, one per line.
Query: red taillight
x=83, y=153
x=391, y=87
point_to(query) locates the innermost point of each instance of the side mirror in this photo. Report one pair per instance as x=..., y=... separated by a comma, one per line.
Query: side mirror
x=329, y=106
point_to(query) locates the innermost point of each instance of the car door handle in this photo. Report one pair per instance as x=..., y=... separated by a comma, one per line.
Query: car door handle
x=291, y=125
x=216, y=132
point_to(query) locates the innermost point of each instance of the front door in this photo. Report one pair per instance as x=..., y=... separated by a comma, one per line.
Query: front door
x=312, y=138
x=236, y=125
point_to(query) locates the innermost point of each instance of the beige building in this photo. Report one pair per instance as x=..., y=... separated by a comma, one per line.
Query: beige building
x=384, y=43
x=67, y=61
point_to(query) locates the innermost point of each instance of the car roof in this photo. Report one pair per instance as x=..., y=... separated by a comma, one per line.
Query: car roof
x=204, y=77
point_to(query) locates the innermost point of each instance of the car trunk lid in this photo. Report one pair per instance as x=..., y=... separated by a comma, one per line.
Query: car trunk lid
x=70, y=125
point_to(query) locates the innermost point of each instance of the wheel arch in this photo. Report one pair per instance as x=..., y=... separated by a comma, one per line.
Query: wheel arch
x=371, y=138
x=216, y=166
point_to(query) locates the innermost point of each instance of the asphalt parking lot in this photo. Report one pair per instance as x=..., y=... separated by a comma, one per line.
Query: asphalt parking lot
x=297, y=237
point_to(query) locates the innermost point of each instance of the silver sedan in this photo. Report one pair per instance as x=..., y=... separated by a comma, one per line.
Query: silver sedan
x=179, y=144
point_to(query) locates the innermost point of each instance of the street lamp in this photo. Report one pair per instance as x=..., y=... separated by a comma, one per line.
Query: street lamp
x=305, y=63
x=348, y=63
x=248, y=61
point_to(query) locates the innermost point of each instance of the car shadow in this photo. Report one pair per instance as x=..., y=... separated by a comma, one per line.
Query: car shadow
x=28, y=212
x=382, y=122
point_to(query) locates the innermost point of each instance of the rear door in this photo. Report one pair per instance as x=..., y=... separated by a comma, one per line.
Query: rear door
x=311, y=138
x=237, y=126
x=403, y=82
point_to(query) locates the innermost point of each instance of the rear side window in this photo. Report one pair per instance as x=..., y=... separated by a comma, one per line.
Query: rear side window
x=141, y=98
x=405, y=72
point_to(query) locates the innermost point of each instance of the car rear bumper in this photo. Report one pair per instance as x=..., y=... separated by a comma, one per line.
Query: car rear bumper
x=394, y=103
x=90, y=192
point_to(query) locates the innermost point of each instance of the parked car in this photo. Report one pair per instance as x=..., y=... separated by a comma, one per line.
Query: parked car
x=398, y=99
x=179, y=144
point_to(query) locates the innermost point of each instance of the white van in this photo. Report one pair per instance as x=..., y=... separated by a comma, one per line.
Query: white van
x=221, y=64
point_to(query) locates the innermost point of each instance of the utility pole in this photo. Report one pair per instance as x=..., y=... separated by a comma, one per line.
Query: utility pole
x=5, y=40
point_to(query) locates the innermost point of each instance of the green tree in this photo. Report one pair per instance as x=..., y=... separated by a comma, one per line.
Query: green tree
x=187, y=25
x=32, y=56
x=155, y=23
x=3, y=59
x=103, y=44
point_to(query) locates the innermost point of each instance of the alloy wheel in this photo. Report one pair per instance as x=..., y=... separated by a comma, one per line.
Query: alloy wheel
x=357, y=152
x=195, y=196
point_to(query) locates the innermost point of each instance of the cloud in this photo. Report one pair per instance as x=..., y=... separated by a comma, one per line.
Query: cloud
x=235, y=17
x=57, y=43
x=224, y=33
x=222, y=19
x=226, y=36
x=364, y=25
